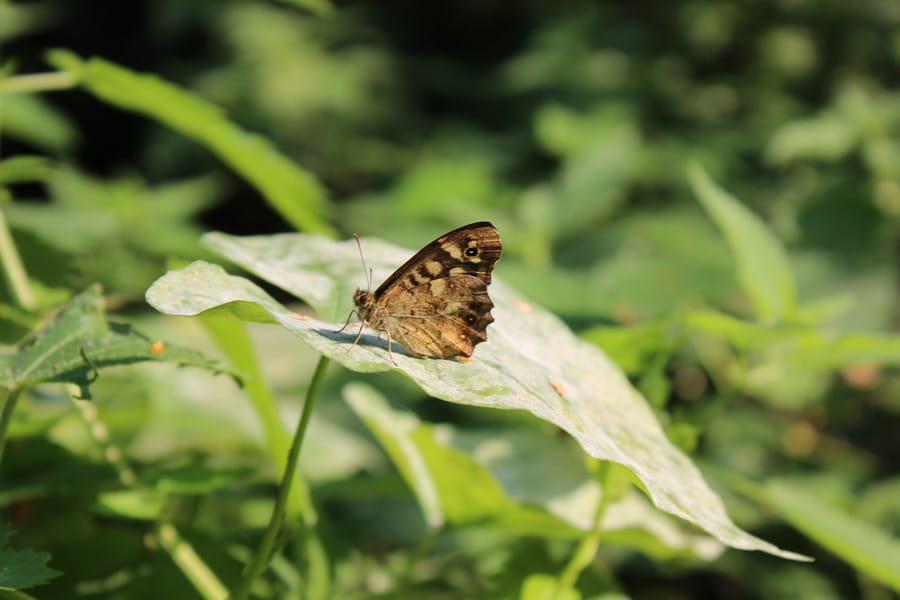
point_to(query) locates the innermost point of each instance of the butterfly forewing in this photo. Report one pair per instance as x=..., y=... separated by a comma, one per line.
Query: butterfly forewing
x=436, y=304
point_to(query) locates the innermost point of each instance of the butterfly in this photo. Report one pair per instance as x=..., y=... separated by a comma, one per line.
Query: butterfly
x=436, y=305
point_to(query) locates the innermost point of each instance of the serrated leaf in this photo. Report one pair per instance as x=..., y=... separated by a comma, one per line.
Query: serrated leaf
x=764, y=271
x=531, y=362
x=78, y=341
x=294, y=192
x=22, y=569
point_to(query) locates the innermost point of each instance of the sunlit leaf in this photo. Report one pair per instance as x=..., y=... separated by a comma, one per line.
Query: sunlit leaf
x=532, y=361
x=293, y=192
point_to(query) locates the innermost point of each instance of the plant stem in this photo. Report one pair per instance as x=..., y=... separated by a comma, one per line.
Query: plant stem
x=587, y=549
x=191, y=565
x=14, y=270
x=231, y=336
x=261, y=559
x=180, y=551
x=38, y=82
x=11, y=398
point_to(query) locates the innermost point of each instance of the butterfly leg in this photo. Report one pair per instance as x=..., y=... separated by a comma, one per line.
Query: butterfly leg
x=362, y=325
x=347, y=322
x=390, y=354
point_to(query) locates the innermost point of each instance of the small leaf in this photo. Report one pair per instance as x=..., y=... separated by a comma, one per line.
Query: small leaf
x=546, y=587
x=22, y=569
x=863, y=545
x=827, y=137
x=292, y=191
x=138, y=504
x=531, y=361
x=762, y=263
x=79, y=341
x=31, y=118
x=19, y=169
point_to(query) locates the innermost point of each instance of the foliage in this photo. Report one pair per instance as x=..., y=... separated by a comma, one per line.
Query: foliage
x=698, y=203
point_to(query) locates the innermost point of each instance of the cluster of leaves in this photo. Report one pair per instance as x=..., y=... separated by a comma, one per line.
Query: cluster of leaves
x=757, y=329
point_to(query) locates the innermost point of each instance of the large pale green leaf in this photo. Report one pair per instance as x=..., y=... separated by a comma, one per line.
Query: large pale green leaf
x=762, y=264
x=531, y=362
x=292, y=191
x=79, y=341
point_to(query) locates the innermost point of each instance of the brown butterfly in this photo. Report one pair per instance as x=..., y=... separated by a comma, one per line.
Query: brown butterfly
x=436, y=305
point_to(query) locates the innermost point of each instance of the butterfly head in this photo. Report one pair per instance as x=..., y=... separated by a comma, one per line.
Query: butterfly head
x=365, y=303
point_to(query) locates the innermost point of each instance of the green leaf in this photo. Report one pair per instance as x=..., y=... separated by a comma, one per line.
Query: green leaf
x=292, y=191
x=22, y=569
x=19, y=169
x=762, y=263
x=634, y=347
x=865, y=546
x=546, y=587
x=32, y=119
x=531, y=362
x=137, y=504
x=517, y=480
x=853, y=348
x=319, y=7
x=828, y=138
x=78, y=341
x=449, y=484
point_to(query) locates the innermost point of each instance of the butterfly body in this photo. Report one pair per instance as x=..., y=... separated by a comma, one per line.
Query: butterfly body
x=436, y=304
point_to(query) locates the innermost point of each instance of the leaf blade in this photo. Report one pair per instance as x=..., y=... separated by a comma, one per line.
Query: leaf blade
x=531, y=361
x=764, y=271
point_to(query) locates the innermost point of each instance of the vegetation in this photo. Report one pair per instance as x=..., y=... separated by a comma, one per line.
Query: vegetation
x=691, y=386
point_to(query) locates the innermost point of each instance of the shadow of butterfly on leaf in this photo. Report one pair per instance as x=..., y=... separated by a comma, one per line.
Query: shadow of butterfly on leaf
x=436, y=305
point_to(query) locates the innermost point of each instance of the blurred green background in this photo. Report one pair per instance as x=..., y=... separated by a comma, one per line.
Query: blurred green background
x=569, y=125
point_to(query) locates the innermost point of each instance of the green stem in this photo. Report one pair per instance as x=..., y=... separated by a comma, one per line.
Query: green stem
x=587, y=549
x=181, y=552
x=38, y=82
x=14, y=270
x=11, y=398
x=231, y=336
x=184, y=555
x=263, y=554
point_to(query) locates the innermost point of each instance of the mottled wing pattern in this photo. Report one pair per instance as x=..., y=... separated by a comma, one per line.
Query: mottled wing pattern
x=437, y=304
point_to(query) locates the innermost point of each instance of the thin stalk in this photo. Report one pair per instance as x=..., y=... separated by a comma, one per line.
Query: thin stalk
x=586, y=550
x=184, y=555
x=11, y=398
x=14, y=270
x=263, y=552
x=37, y=82
x=180, y=551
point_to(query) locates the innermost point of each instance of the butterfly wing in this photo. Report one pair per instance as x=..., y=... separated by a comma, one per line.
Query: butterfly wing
x=437, y=303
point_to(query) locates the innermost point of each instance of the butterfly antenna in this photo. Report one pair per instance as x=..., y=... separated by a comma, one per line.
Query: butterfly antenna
x=366, y=270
